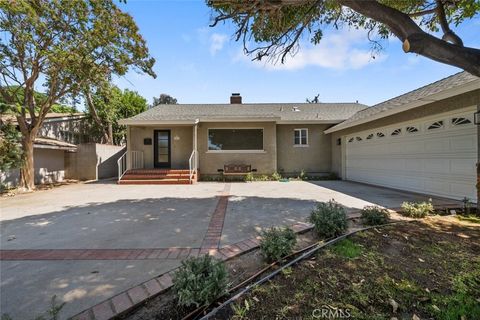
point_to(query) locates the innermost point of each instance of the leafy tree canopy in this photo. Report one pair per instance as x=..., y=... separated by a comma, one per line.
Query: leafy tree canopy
x=112, y=104
x=10, y=148
x=164, y=99
x=66, y=46
x=276, y=26
x=39, y=96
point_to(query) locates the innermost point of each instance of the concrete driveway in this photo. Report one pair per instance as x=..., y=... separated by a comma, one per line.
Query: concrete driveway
x=69, y=240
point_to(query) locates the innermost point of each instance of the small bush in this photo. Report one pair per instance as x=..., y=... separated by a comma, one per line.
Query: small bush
x=276, y=243
x=303, y=175
x=200, y=281
x=276, y=176
x=329, y=219
x=332, y=176
x=374, y=215
x=249, y=177
x=416, y=209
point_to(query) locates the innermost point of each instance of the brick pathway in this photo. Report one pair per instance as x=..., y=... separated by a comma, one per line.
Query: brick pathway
x=215, y=227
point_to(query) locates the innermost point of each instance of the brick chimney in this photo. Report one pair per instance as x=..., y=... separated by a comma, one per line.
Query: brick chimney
x=235, y=98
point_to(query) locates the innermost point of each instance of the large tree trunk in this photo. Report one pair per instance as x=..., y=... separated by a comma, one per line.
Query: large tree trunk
x=27, y=171
x=107, y=131
x=110, y=133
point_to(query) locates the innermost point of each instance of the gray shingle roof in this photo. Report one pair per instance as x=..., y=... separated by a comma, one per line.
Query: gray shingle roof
x=418, y=94
x=333, y=112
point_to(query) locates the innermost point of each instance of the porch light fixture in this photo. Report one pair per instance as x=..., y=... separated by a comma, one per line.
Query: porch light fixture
x=476, y=118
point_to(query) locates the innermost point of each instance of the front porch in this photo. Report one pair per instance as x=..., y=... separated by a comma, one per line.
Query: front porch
x=159, y=155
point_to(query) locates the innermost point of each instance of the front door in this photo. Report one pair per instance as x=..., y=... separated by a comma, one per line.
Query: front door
x=162, y=149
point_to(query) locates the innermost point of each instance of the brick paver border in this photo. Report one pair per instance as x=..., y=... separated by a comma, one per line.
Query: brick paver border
x=215, y=227
x=99, y=254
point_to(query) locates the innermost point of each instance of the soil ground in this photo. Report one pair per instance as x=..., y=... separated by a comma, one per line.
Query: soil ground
x=429, y=269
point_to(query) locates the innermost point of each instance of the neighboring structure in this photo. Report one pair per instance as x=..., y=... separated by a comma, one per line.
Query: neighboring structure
x=64, y=149
x=423, y=141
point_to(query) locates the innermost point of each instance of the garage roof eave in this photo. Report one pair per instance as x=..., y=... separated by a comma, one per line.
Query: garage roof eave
x=471, y=86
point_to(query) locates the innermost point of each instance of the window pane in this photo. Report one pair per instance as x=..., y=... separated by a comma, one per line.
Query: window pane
x=235, y=139
x=304, y=140
x=296, y=139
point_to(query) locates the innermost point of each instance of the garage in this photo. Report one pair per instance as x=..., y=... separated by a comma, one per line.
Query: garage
x=434, y=155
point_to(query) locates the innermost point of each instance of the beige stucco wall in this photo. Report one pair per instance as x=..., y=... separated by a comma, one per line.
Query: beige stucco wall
x=458, y=102
x=265, y=162
x=49, y=165
x=181, y=143
x=313, y=159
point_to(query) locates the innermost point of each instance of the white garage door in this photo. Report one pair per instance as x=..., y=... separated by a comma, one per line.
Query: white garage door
x=433, y=155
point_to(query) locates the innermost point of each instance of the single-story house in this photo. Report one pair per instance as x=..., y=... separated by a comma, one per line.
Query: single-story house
x=423, y=141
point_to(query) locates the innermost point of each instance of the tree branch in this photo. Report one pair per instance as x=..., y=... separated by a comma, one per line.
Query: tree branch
x=448, y=34
x=415, y=39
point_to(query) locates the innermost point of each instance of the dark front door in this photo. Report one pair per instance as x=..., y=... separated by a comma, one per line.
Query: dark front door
x=162, y=149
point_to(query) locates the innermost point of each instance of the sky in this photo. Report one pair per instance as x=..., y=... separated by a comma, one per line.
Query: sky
x=196, y=63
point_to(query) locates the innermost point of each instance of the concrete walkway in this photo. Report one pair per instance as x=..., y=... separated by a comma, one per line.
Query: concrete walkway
x=88, y=242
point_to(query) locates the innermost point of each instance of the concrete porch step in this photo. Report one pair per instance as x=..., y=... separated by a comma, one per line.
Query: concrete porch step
x=157, y=176
x=131, y=176
x=155, y=181
x=158, y=171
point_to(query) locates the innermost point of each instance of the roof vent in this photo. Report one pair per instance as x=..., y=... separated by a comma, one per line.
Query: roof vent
x=235, y=98
x=295, y=109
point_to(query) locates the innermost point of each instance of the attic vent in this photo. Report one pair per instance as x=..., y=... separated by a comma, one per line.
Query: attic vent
x=295, y=109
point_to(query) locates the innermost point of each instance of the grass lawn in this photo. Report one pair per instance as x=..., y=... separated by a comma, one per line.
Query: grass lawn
x=429, y=269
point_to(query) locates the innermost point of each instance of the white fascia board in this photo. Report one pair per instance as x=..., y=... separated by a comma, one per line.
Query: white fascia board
x=129, y=122
x=471, y=86
x=241, y=119
x=193, y=122
x=309, y=121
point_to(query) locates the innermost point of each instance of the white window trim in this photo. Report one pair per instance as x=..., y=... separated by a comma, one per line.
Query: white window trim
x=237, y=151
x=300, y=145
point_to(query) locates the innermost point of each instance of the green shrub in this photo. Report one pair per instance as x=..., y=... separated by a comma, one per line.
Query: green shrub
x=467, y=206
x=416, y=209
x=249, y=177
x=332, y=176
x=276, y=243
x=329, y=219
x=200, y=281
x=303, y=175
x=374, y=215
x=276, y=176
